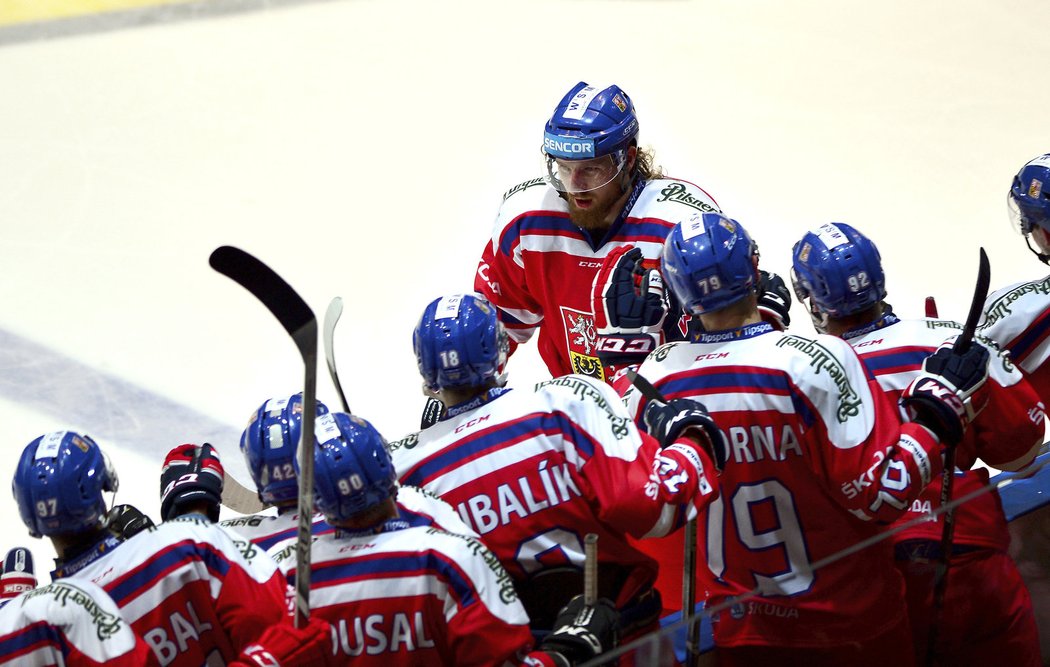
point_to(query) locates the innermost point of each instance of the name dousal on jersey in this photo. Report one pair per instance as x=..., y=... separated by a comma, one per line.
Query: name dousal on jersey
x=413, y=596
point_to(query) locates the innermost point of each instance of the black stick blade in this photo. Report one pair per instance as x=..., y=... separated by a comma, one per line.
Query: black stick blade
x=646, y=387
x=980, y=295
x=268, y=287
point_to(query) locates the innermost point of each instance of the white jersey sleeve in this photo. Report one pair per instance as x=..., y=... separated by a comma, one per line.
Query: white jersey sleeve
x=72, y=623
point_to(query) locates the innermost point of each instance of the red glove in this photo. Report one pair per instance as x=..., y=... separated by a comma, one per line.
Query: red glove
x=284, y=645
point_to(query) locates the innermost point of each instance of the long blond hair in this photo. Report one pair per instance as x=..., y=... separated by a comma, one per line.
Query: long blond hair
x=645, y=164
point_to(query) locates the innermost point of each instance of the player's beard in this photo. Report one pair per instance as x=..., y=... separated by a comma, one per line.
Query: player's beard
x=596, y=216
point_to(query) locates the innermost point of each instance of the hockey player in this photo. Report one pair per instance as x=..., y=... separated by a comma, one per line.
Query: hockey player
x=269, y=443
x=191, y=591
x=534, y=470
x=601, y=191
x=818, y=459
x=1017, y=317
x=988, y=612
x=399, y=594
x=70, y=623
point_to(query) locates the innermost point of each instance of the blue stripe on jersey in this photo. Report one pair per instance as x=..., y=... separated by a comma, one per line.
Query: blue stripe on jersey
x=711, y=381
x=897, y=360
x=415, y=519
x=32, y=637
x=644, y=230
x=396, y=564
x=165, y=560
x=321, y=527
x=1036, y=332
x=500, y=436
x=531, y=223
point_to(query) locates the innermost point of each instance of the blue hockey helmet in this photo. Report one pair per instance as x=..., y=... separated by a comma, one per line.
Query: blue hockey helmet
x=58, y=484
x=709, y=262
x=589, y=122
x=460, y=342
x=269, y=444
x=838, y=269
x=1029, y=204
x=352, y=468
x=1029, y=195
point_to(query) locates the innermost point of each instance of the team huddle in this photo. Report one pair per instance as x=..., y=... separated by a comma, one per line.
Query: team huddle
x=810, y=474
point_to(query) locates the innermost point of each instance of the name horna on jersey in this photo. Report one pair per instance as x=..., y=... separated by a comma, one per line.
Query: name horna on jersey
x=380, y=633
x=169, y=641
x=485, y=512
x=760, y=442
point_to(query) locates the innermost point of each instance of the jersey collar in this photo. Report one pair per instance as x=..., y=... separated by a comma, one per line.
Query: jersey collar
x=475, y=402
x=70, y=566
x=740, y=333
x=884, y=321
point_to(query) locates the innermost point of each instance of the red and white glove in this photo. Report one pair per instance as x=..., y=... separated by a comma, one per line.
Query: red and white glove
x=949, y=392
x=191, y=475
x=18, y=576
x=630, y=304
x=284, y=645
x=694, y=450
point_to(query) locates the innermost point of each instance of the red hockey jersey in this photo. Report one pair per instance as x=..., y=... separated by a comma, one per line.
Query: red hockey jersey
x=539, y=266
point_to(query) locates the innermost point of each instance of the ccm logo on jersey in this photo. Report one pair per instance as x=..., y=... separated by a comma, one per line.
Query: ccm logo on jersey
x=617, y=344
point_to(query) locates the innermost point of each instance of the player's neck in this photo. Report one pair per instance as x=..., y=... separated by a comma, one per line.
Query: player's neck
x=733, y=316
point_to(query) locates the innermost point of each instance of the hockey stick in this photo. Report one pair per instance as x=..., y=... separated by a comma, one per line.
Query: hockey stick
x=240, y=498
x=692, y=643
x=331, y=318
x=299, y=321
x=940, y=577
x=590, y=569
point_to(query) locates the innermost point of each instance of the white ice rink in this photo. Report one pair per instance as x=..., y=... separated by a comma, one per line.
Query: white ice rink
x=361, y=149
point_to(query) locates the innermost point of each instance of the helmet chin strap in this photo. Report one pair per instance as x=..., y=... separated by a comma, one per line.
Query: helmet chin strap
x=1043, y=257
x=820, y=319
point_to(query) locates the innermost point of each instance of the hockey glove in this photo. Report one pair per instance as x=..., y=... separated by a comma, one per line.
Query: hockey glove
x=18, y=576
x=127, y=521
x=433, y=412
x=629, y=304
x=582, y=632
x=191, y=474
x=946, y=396
x=774, y=300
x=284, y=645
x=668, y=421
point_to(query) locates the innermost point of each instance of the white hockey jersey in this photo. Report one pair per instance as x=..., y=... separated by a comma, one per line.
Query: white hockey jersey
x=413, y=596
x=194, y=591
x=1018, y=319
x=70, y=623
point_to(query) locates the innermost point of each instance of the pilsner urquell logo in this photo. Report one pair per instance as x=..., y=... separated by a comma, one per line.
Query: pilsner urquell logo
x=677, y=192
x=823, y=360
